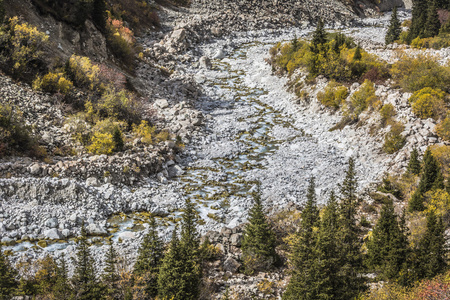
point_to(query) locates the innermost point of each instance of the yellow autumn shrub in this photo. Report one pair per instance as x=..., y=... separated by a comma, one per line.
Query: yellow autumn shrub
x=360, y=100
x=27, y=42
x=144, y=131
x=83, y=72
x=102, y=143
x=333, y=95
x=53, y=83
x=428, y=103
x=443, y=128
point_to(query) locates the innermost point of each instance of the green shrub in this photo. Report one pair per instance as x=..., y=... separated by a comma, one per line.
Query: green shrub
x=15, y=136
x=21, y=46
x=414, y=74
x=387, y=112
x=53, y=83
x=443, y=128
x=360, y=100
x=120, y=105
x=334, y=95
x=83, y=72
x=428, y=103
x=144, y=132
x=394, y=141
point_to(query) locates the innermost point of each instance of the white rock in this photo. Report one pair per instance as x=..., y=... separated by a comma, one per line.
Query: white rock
x=53, y=234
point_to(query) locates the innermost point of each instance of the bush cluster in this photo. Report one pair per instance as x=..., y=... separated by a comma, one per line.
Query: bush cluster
x=21, y=49
x=53, y=83
x=360, y=100
x=333, y=95
x=15, y=136
x=414, y=74
x=337, y=58
x=428, y=103
x=394, y=141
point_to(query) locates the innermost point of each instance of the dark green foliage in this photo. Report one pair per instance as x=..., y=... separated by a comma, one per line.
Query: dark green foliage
x=429, y=178
x=306, y=266
x=319, y=37
x=388, y=247
x=2, y=12
x=414, y=162
x=431, y=253
x=357, y=55
x=8, y=283
x=83, y=10
x=258, y=244
x=62, y=289
x=99, y=15
x=389, y=187
x=351, y=258
x=84, y=279
x=180, y=271
x=149, y=259
x=419, y=18
x=433, y=24
x=110, y=276
x=118, y=140
x=394, y=30
x=170, y=278
x=295, y=44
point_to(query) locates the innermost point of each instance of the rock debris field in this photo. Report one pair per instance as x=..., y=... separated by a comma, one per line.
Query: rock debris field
x=254, y=131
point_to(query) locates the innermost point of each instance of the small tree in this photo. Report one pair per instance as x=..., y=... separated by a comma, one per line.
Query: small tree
x=432, y=24
x=357, y=56
x=8, y=283
x=117, y=139
x=149, y=259
x=414, y=162
x=319, y=37
x=170, y=279
x=62, y=289
x=84, y=279
x=351, y=259
x=388, y=247
x=394, y=30
x=304, y=256
x=110, y=276
x=258, y=245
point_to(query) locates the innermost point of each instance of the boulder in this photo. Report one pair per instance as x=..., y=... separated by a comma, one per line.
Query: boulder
x=92, y=181
x=205, y=62
x=52, y=223
x=161, y=103
x=95, y=229
x=53, y=234
x=175, y=170
x=231, y=265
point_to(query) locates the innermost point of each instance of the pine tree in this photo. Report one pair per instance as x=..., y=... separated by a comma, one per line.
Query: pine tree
x=304, y=258
x=118, y=140
x=395, y=29
x=388, y=248
x=149, y=259
x=419, y=18
x=319, y=37
x=414, y=162
x=295, y=45
x=357, y=56
x=180, y=272
x=62, y=289
x=110, y=276
x=432, y=24
x=351, y=257
x=99, y=15
x=170, y=278
x=431, y=252
x=328, y=253
x=430, y=175
x=84, y=279
x=8, y=283
x=258, y=244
